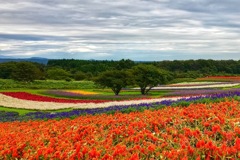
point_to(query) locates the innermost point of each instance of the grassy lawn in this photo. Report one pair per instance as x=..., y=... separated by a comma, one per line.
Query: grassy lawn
x=107, y=94
x=25, y=111
x=45, y=84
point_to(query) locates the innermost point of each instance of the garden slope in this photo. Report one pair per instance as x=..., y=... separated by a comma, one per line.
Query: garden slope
x=8, y=101
x=199, y=131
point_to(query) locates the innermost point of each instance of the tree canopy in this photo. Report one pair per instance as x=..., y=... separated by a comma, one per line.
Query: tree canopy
x=148, y=76
x=26, y=72
x=114, y=79
x=57, y=74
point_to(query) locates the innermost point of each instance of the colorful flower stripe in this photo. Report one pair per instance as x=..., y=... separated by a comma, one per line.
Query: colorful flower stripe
x=32, y=97
x=63, y=93
x=81, y=92
x=197, y=84
x=224, y=78
x=9, y=101
x=196, y=132
x=201, y=92
x=111, y=107
x=222, y=85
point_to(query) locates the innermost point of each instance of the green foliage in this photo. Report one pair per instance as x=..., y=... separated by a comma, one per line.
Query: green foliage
x=57, y=74
x=148, y=76
x=114, y=79
x=202, y=67
x=129, y=110
x=87, y=70
x=125, y=64
x=68, y=79
x=6, y=69
x=78, y=76
x=26, y=72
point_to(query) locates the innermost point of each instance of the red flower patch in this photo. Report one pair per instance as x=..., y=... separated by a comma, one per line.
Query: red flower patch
x=200, y=131
x=33, y=97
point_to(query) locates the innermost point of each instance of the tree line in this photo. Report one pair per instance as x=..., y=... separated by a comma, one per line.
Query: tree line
x=118, y=74
x=146, y=76
x=88, y=69
x=181, y=68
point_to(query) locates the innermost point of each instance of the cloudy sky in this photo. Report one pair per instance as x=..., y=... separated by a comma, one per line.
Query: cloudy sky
x=113, y=30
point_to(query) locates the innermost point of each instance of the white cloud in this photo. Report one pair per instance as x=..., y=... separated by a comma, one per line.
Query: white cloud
x=122, y=29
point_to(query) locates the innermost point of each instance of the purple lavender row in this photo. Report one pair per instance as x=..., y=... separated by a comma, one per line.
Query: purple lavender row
x=201, y=91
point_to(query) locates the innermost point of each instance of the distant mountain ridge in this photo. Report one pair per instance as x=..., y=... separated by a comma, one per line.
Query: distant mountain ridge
x=32, y=59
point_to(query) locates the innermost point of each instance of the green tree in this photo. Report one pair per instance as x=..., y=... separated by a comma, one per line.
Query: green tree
x=6, y=69
x=124, y=64
x=57, y=74
x=26, y=72
x=114, y=79
x=78, y=76
x=148, y=76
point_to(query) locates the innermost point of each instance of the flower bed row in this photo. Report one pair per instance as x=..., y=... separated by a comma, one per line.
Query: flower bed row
x=222, y=85
x=39, y=98
x=199, y=131
x=189, y=84
x=63, y=93
x=122, y=108
x=200, y=92
x=81, y=92
x=221, y=78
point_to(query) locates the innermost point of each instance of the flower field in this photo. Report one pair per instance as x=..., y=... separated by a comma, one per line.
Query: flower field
x=33, y=97
x=201, y=125
x=200, y=131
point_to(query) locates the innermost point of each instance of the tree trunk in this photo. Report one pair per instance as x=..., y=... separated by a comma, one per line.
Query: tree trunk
x=143, y=90
x=116, y=91
x=148, y=89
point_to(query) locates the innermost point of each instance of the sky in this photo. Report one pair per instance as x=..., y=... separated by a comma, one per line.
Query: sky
x=141, y=30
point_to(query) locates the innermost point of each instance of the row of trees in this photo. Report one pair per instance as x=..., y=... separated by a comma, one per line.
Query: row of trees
x=144, y=76
x=180, y=68
x=83, y=69
x=21, y=71
x=28, y=71
x=62, y=70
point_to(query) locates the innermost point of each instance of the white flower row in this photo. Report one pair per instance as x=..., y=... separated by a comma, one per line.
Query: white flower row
x=195, y=87
x=197, y=83
x=11, y=102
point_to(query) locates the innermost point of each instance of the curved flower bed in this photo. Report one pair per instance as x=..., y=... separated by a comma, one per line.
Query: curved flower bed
x=201, y=92
x=199, y=131
x=9, y=101
x=63, y=93
x=81, y=92
x=39, y=98
x=221, y=78
x=189, y=84
x=222, y=85
x=110, y=107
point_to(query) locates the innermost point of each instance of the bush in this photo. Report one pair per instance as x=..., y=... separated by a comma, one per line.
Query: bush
x=26, y=72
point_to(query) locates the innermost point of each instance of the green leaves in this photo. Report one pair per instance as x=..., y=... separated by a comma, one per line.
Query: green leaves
x=148, y=76
x=26, y=72
x=114, y=79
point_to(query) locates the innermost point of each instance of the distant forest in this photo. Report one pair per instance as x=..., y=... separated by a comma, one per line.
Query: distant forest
x=69, y=69
x=182, y=68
